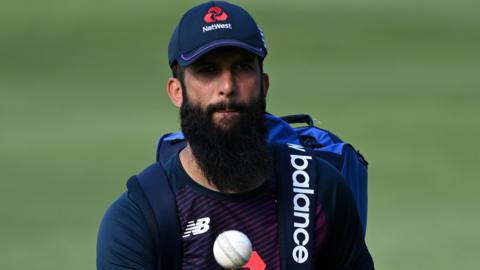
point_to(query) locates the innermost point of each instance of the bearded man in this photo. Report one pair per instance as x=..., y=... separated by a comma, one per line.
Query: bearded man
x=224, y=177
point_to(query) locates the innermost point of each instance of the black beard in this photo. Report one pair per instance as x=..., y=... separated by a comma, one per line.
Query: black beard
x=234, y=158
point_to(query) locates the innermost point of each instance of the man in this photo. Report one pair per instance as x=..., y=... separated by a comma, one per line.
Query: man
x=225, y=178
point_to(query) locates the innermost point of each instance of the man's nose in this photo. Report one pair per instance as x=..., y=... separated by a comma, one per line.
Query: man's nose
x=227, y=83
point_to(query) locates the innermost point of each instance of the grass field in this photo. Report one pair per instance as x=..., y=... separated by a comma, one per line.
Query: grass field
x=82, y=102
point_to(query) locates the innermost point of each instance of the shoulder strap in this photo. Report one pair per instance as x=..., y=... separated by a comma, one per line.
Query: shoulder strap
x=153, y=194
x=297, y=188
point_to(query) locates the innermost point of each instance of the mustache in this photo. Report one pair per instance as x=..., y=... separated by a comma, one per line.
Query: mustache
x=225, y=105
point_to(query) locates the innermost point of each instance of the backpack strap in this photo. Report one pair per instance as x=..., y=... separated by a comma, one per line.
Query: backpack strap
x=153, y=194
x=297, y=195
x=169, y=145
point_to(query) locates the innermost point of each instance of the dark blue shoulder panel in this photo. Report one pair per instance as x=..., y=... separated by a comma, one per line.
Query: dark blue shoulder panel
x=153, y=193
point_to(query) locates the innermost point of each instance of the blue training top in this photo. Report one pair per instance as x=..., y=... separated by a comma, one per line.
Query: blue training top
x=124, y=240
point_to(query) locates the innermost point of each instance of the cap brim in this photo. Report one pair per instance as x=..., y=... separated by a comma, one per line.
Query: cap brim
x=190, y=57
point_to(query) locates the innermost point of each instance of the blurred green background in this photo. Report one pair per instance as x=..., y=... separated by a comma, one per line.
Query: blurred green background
x=82, y=102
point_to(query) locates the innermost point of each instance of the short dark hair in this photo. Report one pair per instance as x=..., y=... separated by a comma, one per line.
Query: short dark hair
x=177, y=71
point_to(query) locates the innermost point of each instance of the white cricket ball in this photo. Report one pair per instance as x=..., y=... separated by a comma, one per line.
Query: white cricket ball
x=232, y=249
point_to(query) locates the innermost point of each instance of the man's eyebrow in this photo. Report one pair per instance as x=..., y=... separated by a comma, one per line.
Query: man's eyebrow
x=201, y=62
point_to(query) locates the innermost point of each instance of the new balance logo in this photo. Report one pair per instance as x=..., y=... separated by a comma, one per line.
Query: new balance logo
x=199, y=227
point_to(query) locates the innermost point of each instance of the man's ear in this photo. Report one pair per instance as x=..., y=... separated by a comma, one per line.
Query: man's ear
x=175, y=91
x=266, y=83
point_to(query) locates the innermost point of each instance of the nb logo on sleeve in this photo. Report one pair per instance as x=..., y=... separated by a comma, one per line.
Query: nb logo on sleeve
x=198, y=227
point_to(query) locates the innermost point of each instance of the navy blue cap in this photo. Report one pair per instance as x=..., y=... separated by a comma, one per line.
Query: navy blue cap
x=212, y=25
